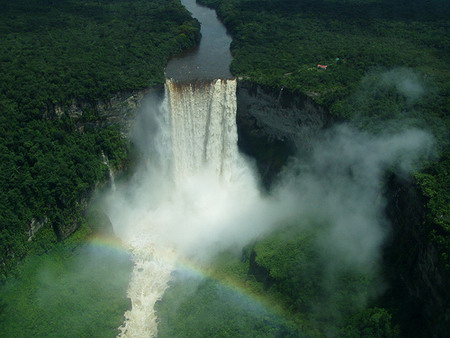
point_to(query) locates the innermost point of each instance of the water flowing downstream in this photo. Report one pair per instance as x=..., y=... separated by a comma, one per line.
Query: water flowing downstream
x=211, y=59
x=181, y=205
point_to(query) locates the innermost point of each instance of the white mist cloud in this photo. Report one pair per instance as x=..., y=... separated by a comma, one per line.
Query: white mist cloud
x=341, y=185
x=406, y=81
x=198, y=217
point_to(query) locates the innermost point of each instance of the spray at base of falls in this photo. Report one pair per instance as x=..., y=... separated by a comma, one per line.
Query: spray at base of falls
x=181, y=204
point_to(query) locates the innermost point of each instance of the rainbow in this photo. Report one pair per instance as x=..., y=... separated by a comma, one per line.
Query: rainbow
x=108, y=242
x=239, y=287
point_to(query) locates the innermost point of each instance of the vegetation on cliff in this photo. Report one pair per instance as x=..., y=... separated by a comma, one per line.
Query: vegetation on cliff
x=54, y=54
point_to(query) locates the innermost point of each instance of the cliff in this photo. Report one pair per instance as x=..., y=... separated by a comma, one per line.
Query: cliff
x=418, y=281
x=274, y=124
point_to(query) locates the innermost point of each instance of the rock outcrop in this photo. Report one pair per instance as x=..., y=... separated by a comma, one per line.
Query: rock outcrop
x=274, y=124
x=419, y=286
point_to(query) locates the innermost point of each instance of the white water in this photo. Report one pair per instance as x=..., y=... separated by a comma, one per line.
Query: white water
x=179, y=208
x=203, y=128
x=112, y=179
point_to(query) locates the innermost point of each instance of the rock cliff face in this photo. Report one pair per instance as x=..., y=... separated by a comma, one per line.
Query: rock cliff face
x=120, y=109
x=419, y=285
x=274, y=124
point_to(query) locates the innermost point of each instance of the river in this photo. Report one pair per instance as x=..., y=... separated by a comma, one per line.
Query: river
x=211, y=59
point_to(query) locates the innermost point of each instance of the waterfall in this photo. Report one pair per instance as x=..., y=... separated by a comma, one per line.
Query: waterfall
x=112, y=179
x=203, y=162
x=203, y=127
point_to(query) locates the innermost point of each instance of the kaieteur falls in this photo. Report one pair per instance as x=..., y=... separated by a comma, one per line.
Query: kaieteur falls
x=192, y=184
x=186, y=199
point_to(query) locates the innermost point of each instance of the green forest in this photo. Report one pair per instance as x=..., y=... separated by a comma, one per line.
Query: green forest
x=387, y=62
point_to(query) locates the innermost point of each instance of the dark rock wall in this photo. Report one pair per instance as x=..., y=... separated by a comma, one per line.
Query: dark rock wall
x=419, y=287
x=274, y=124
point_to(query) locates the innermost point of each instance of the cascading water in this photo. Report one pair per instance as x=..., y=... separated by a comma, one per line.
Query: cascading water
x=203, y=127
x=112, y=179
x=206, y=172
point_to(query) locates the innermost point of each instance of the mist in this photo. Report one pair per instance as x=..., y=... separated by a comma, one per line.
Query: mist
x=392, y=99
x=338, y=187
x=341, y=183
x=407, y=82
